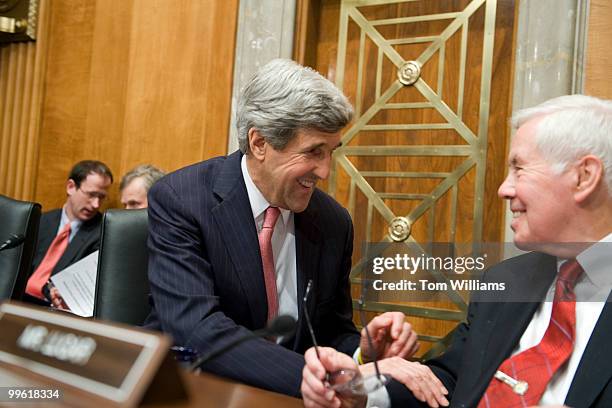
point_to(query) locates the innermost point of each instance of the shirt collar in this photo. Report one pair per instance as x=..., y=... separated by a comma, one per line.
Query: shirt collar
x=258, y=202
x=75, y=225
x=596, y=260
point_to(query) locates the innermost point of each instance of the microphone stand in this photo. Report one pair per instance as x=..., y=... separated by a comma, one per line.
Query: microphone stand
x=361, y=304
x=211, y=356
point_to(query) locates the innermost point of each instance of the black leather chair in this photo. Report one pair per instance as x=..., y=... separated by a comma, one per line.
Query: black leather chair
x=22, y=218
x=122, y=285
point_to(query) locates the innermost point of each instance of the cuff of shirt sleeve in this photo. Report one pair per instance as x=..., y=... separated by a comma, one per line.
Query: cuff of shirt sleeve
x=357, y=356
x=379, y=399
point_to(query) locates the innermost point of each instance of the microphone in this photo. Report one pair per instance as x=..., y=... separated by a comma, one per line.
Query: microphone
x=283, y=325
x=13, y=241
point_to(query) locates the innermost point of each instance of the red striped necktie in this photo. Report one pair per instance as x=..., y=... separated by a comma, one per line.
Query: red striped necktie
x=537, y=365
x=267, y=259
x=41, y=275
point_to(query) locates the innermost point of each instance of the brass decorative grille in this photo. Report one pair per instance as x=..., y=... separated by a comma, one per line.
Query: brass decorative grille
x=402, y=66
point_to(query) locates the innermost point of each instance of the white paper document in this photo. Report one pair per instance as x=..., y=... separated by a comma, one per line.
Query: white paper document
x=77, y=285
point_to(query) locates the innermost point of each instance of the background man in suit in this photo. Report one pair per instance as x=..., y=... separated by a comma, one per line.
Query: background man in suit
x=72, y=232
x=135, y=185
x=234, y=240
x=559, y=187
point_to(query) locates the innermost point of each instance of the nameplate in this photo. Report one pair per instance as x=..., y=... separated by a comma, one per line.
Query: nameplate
x=112, y=363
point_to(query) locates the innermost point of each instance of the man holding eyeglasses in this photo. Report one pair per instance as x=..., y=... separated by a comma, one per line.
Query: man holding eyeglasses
x=68, y=234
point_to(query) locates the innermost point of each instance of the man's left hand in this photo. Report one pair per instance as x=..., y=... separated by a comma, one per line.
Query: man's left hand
x=391, y=336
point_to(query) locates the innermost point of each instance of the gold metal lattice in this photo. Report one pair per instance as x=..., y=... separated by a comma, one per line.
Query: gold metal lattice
x=472, y=151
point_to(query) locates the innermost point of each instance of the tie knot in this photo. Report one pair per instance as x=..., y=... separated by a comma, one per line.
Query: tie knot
x=65, y=230
x=270, y=217
x=569, y=273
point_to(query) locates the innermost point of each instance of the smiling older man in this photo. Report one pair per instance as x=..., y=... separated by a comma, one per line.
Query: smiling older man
x=554, y=349
x=234, y=240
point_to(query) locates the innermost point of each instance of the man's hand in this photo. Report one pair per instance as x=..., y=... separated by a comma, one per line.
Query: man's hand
x=391, y=336
x=417, y=377
x=57, y=300
x=315, y=391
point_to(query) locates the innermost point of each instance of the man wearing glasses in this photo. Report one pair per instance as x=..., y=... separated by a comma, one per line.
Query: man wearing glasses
x=234, y=240
x=70, y=233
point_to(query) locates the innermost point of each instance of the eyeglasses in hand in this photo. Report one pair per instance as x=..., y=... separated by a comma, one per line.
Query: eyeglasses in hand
x=349, y=381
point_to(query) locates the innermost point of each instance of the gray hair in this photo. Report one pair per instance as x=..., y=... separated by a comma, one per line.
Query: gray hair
x=149, y=174
x=572, y=126
x=283, y=97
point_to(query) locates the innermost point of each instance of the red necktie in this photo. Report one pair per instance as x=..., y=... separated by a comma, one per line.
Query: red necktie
x=41, y=275
x=267, y=259
x=537, y=365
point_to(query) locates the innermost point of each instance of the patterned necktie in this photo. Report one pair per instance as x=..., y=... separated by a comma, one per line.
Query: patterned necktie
x=537, y=365
x=267, y=259
x=41, y=275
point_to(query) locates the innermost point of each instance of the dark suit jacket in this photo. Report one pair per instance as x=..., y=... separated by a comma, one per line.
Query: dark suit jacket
x=493, y=330
x=207, y=279
x=86, y=241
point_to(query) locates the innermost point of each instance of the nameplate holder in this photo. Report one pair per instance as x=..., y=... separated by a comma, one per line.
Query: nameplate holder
x=91, y=362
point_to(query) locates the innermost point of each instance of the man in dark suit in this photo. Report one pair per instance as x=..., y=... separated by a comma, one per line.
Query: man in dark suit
x=72, y=232
x=220, y=269
x=528, y=350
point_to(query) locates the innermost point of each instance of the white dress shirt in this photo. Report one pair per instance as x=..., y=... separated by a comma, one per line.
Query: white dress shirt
x=283, y=246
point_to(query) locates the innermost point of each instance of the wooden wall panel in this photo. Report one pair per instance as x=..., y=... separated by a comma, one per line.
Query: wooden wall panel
x=131, y=82
x=185, y=101
x=22, y=68
x=599, y=50
x=108, y=82
x=66, y=96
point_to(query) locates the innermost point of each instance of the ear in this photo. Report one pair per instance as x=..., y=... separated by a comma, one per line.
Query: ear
x=590, y=174
x=71, y=187
x=257, y=144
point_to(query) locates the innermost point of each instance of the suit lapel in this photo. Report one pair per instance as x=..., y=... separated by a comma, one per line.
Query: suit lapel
x=49, y=231
x=307, y=249
x=73, y=248
x=234, y=219
x=594, y=370
x=80, y=239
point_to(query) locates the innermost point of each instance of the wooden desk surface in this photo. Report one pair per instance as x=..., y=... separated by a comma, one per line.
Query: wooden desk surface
x=159, y=378
x=207, y=390
x=204, y=391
